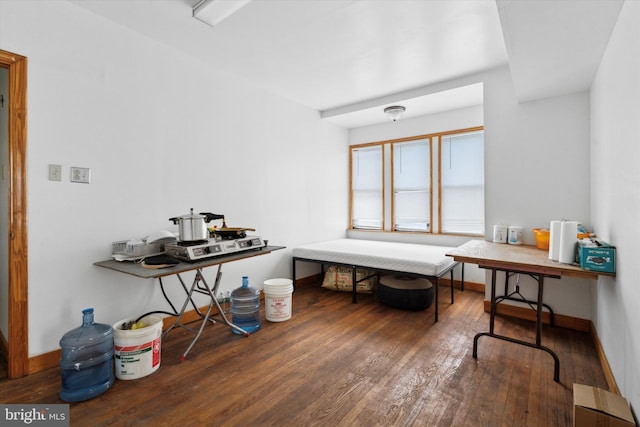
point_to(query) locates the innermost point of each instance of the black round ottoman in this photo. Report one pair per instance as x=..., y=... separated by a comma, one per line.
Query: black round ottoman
x=405, y=292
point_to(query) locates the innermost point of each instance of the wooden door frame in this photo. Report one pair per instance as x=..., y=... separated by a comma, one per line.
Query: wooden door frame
x=18, y=334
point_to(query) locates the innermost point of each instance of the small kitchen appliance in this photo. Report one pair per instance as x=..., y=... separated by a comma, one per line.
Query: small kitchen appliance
x=196, y=242
x=188, y=251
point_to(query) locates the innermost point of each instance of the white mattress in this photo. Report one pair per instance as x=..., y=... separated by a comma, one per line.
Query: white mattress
x=404, y=257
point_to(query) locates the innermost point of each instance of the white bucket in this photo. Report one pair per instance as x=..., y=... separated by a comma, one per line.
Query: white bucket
x=277, y=299
x=137, y=351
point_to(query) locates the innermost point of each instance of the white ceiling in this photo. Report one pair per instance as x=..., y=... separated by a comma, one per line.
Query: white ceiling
x=555, y=47
x=349, y=59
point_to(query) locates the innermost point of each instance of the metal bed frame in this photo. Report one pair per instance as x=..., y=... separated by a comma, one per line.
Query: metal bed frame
x=354, y=280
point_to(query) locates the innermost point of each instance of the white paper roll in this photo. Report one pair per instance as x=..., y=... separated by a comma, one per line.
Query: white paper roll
x=568, y=239
x=554, y=240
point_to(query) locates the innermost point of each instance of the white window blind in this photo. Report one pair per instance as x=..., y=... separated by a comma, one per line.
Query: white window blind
x=462, y=181
x=411, y=185
x=366, y=184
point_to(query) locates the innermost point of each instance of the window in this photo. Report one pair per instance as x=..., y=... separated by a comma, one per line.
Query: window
x=462, y=183
x=395, y=180
x=366, y=187
x=412, y=185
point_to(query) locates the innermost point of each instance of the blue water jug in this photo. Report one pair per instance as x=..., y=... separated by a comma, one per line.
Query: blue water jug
x=245, y=307
x=87, y=360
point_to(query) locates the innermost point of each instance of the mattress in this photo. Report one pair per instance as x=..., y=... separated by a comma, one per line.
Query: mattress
x=425, y=260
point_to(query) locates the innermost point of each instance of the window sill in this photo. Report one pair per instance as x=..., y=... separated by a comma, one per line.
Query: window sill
x=423, y=238
x=421, y=233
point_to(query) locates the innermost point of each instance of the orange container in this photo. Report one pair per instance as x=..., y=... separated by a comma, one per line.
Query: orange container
x=542, y=238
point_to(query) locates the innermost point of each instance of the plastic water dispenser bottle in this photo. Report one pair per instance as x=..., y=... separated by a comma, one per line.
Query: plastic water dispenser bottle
x=87, y=360
x=245, y=307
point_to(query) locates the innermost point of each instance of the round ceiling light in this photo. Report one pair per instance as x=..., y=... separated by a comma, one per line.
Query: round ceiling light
x=395, y=112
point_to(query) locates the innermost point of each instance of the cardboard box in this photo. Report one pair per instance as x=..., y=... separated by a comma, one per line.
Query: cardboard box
x=596, y=407
x=599, y=256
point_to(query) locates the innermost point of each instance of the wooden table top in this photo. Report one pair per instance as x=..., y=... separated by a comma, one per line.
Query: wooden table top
x=521, y=258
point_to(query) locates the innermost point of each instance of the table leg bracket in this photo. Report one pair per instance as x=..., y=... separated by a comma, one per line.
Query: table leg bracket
x=556, y=360
x=199, y=285
x=539, y=306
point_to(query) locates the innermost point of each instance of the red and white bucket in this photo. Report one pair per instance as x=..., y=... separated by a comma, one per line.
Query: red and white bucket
x=277, y=299
x=137, y=351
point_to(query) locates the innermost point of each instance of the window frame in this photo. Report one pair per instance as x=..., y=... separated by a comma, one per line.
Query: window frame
x=393, y=185
x=441, y=135
x=388, y=188
x=383, y=162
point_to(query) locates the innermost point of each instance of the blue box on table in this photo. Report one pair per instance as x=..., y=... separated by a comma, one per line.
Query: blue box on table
x=596, y=255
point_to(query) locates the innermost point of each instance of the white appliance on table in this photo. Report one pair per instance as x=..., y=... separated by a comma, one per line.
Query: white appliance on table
x=194, y=251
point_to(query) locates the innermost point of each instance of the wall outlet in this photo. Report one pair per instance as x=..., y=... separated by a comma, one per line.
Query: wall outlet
x=55, y=173
x=82, y=175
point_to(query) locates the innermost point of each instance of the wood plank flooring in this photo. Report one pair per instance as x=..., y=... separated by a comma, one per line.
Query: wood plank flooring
x=335, y=363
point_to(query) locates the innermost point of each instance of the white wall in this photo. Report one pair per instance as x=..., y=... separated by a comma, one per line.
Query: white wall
x=162, y=133
x=536, y=170
x=615, y=196
x=432, y=123
x=450, y=120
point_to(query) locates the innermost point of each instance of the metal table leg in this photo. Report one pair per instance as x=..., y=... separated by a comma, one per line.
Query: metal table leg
x=451, y=274
x=293, y=272
x=538, y=343
x=200, y=285
x=354, y=282
x=436, y=303
x=212, y=294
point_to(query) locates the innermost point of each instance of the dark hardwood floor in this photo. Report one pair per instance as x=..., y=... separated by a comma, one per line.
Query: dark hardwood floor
x=339, y=364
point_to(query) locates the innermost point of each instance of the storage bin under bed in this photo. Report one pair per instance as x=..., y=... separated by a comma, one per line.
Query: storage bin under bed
x=405, y=292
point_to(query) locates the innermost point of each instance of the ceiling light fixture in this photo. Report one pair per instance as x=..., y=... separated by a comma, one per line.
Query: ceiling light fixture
x=395, y=112
x=212, y=12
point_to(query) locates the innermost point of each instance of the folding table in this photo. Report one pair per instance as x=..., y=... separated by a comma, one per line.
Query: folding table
x=518, y=259
x=198, y=286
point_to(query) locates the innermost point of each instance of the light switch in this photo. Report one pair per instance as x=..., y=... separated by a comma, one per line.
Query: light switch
x=82, y=175
x=55, y=173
